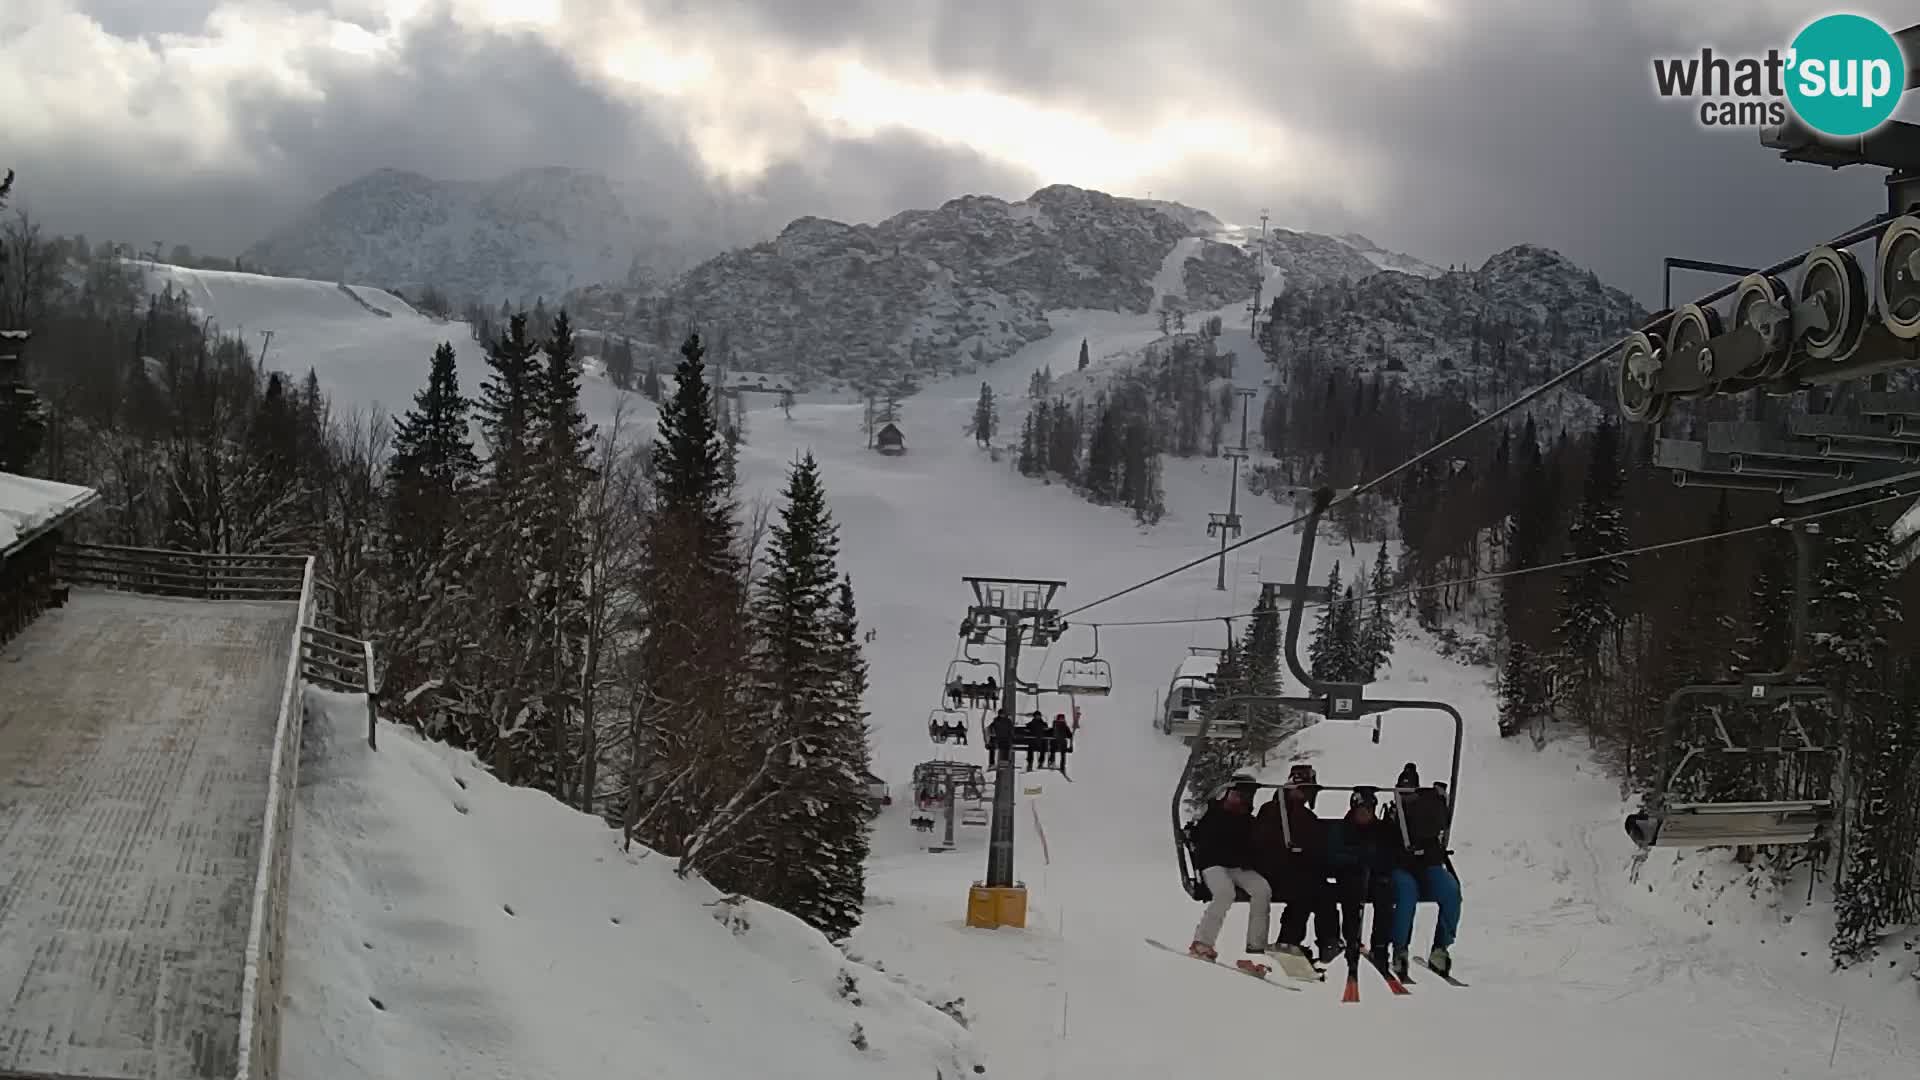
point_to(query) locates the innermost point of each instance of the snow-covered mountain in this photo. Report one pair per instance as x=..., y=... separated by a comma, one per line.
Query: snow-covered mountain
x=936, y=291
x=537, y=232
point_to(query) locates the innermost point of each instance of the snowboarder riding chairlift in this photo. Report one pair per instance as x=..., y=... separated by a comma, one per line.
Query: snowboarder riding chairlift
x=1223, y=853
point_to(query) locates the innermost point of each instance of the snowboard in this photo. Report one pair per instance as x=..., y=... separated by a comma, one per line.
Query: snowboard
x=1298, y=966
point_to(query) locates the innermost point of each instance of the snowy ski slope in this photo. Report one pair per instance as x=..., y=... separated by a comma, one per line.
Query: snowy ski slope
x=1576, y=972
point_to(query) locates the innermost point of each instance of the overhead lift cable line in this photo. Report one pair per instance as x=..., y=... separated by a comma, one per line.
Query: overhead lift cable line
x=1497, y=575
x=1368, y=485
x=1851, y=236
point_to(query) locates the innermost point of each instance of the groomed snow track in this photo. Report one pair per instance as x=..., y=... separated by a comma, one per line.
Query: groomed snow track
x=147, y=751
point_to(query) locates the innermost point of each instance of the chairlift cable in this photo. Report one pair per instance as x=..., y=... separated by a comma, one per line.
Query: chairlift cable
x=1365, y=486
x=1496, y=575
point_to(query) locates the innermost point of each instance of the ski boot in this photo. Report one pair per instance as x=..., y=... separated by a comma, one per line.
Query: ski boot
x=1328, y=951
x=1203, y=951
x=1398, y=965
x=1440, y=960
x=1252, y=966
x=1379, y=955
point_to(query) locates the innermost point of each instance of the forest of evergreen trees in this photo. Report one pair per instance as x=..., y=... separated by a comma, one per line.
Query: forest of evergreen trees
x=590, y=614
x=1178, y=400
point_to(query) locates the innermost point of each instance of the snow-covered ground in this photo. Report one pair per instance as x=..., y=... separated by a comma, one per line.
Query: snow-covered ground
x=1576, y=971
x=446, y=925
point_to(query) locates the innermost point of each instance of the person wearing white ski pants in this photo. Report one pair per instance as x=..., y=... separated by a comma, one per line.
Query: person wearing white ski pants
x=1221, y=881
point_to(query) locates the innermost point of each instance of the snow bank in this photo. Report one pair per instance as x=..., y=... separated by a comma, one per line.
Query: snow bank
x=446, y=925
x=27, y=504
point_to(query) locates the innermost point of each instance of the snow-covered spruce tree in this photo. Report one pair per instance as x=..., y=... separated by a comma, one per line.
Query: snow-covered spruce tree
x=1324, y=652
x=796, y=686
x=1853, y=614
x=986, y=417
x=1376, y=642
x=1082, y=366
x=1590, y=591
x=1063, y=442
x=1524, y=606
x=429, y=478
x=1267, y=725
x=840, y=856
x=1347, y=661
x=1029, y=461
x=497, y=669
x=1216, y=759
x=558, y=477
x=700, y=762
x=23, y=416
x=1102, y=470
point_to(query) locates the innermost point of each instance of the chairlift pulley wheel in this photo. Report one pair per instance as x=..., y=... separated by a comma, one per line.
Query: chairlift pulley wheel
x=1763, y=303
x=1833, y=279
x=1898, y=270
x=1688, y=334
x=1638, y=378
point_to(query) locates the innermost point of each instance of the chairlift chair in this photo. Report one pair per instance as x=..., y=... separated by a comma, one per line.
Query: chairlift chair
x=1088, y=675
x=965, y=674
x=939, y=720
x=1332, y=701
x=1668, y=821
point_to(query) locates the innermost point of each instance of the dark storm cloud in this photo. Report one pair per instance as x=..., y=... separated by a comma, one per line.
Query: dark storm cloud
x=464, y=105
x=1522, y=122
x=1494, y=123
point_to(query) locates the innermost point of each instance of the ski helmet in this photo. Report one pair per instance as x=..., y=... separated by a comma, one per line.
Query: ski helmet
x=1409, y=776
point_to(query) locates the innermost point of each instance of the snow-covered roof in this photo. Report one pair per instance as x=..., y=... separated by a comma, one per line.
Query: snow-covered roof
x=28, y=505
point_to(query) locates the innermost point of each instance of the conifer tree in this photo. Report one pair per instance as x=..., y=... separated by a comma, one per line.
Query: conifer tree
x=558, y=478
x=1216, y=759
x=1590, y=590
x=1083, y=355
x=430, y=477
x=1325, y=660
x=1103, y=458
x=1029, y=462
x=1853, y=615
x=986, y=417
x=697, y=773
x=1376, y=645
x=1063, y=442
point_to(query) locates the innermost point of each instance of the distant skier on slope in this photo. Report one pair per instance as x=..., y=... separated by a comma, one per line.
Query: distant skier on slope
x=1223, y=854
x=1424, y=872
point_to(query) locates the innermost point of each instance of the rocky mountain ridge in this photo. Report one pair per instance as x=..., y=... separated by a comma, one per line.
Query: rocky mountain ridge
x=931, y=292
x=536, y=232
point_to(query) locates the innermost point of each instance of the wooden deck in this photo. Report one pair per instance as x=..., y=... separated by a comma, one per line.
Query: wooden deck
x=135, y=739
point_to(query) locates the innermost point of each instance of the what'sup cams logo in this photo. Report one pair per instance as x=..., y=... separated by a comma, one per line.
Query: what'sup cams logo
x=1842, y=76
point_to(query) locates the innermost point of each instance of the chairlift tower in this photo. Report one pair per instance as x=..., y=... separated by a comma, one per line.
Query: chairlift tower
x=1222, y=525
x=1014, y=607
x=1259, y=281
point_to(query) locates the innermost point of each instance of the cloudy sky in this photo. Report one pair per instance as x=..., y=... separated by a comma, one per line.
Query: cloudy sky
x=1445, y=128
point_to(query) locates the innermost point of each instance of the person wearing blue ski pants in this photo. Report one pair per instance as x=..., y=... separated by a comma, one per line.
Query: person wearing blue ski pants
x=1434, y=883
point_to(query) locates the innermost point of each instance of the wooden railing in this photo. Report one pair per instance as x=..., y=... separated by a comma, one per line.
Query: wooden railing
x=265, y=958
x=186, y=574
